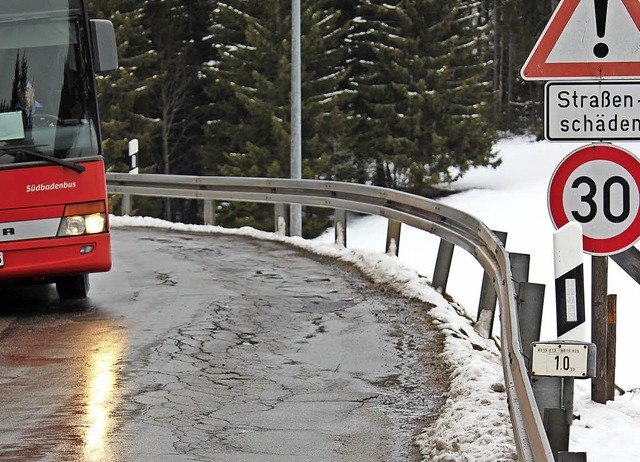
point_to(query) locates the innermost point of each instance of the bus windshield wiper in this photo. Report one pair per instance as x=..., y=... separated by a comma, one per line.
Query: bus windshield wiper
x=30, y=150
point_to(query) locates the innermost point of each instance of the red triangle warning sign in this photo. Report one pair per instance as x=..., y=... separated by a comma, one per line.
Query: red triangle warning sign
x=588, y=39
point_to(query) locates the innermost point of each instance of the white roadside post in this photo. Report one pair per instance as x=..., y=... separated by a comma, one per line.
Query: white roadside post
x=133, y=156
x=133, y=162
x=569, y=280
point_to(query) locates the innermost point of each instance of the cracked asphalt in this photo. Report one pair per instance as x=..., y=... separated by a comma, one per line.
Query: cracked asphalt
x=216, y=348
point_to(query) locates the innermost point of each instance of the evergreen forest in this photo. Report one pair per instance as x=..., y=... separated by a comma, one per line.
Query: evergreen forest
x=406, y=94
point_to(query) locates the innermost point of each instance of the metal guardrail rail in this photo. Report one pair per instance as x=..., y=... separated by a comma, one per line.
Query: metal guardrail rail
x=448, y=223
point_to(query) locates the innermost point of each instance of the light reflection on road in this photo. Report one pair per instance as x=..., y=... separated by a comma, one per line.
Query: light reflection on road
x=61, y=387
x=101, y=397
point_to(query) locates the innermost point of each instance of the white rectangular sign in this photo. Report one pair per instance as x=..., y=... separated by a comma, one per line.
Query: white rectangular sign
x=559, y=360
x=592, y=111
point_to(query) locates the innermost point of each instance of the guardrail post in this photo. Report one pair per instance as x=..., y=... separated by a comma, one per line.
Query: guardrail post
x=530, y=304
x=519, y=267
x=443, y=266
x=572, y=457
x=281, y=219
x=126, y=204
x=209, y=212
x=340, y=226
x=530, y=301
x=393, y=237
x=554, y=396
x=555, y=421
x=488, y=299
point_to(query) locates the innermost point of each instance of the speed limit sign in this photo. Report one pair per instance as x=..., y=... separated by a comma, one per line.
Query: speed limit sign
x=598, y=186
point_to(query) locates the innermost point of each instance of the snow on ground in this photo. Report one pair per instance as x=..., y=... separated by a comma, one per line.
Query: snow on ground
x=474, y=424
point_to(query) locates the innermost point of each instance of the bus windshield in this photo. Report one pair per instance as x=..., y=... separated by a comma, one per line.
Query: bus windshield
x=46, y=83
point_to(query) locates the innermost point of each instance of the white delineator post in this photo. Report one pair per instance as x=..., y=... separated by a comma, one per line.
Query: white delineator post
x=133, y=156
x=569, y=277
x=133, y=162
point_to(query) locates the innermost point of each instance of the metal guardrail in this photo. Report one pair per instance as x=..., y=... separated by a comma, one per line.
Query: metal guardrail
x=450, y=224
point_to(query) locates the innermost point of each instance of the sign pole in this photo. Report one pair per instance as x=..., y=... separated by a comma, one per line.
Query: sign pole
x=612, y=302
x=296, y=113
x=599, y=272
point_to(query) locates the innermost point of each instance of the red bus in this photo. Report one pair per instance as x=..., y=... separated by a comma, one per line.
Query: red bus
x=54, y=224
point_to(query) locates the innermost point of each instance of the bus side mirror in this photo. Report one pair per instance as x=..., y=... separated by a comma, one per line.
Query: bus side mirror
x=105, y=52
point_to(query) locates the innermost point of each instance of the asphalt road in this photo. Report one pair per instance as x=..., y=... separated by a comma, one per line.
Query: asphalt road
x=216, y=348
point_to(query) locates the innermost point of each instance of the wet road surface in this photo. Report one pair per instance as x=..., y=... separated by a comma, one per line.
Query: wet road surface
x=215, y=348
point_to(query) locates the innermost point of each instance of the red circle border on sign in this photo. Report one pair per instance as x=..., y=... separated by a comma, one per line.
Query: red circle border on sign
x=559, y=179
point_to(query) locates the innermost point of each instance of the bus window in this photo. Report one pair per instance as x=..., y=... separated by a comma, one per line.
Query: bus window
x=49, y=85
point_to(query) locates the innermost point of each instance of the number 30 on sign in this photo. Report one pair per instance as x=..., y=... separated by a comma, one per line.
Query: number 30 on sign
x=598, y=186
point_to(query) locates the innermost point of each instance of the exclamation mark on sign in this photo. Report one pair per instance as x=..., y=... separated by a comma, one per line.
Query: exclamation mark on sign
x=601, y=49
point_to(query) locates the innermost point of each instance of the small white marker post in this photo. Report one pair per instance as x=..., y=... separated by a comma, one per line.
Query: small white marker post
x=133, y=156
x=133, y=162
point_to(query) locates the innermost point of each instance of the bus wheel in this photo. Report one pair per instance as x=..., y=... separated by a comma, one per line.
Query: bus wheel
x=73, y=287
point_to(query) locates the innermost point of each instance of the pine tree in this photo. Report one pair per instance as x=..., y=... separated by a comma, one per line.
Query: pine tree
x=380, y=79
x=421, y=76
x=252, y=71
x=327, y=128
x=452, y=93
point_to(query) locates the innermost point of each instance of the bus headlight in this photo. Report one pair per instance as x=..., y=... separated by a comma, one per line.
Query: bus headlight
x=72, y=226
x=85, y=218
x=95, y=223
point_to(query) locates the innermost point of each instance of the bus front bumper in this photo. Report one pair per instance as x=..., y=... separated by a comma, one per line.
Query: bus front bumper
x=43, y=259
